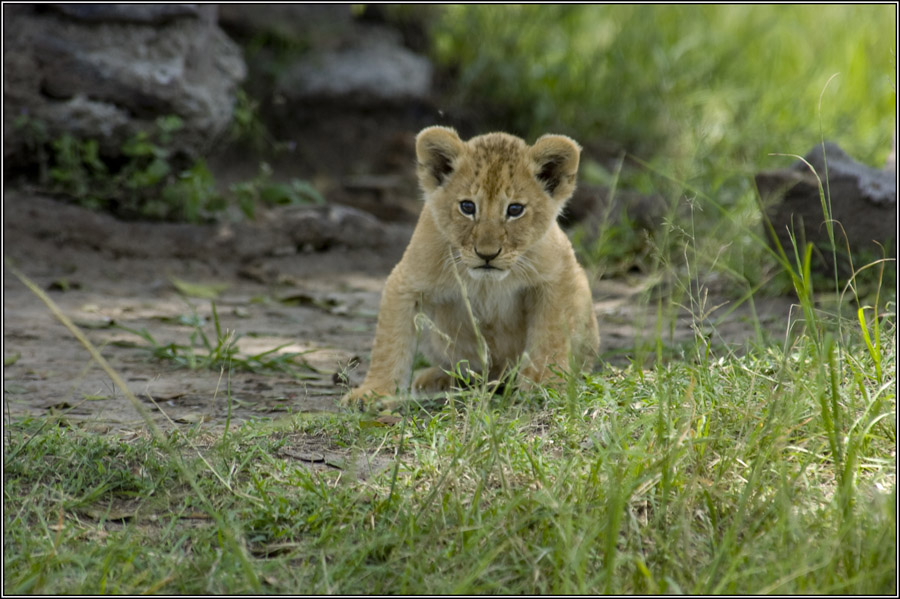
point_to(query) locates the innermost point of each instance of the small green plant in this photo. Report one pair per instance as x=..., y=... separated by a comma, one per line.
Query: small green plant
x=79, y=172
x=150, y=181
x=194, y=191
x=246, y=124
x=262, y=190
x=36, y=140
x=205, y=352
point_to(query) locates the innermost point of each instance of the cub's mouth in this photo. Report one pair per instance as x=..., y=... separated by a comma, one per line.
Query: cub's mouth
x=488, y=272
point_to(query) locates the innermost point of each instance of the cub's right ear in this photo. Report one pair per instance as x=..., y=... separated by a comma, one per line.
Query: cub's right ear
x=437, y=149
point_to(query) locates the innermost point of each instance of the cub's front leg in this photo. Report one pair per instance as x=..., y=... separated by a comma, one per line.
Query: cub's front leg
x=392, y=352
x=559, y=338
x=546, y=347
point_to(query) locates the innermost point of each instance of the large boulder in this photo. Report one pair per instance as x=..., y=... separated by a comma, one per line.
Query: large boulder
x=326, y=53
x=863, y=206
x=107, y=71
x=373, y=67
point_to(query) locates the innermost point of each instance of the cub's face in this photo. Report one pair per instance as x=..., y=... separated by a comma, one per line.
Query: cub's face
x=493, y=197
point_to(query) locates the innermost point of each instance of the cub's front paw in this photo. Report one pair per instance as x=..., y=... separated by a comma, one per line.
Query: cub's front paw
x=532, y=379
x=361, y=397
x=370, y=400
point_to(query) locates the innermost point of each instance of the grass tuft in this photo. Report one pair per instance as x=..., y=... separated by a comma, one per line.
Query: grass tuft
x=220, y=352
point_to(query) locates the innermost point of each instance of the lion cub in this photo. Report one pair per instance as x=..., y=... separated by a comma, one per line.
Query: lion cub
x=487, y=238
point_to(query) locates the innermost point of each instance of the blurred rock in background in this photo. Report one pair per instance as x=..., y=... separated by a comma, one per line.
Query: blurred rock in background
x=344, y=92
x=107, y=71
x=863, y=206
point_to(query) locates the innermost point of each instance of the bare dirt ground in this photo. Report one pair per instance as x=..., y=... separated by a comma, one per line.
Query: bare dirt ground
x=318, y=298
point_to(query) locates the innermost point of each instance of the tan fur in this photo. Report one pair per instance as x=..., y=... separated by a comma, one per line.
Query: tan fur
x=534, y=306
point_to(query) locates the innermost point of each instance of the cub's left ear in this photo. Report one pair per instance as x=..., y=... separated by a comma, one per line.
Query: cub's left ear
x=437, y=150
x=555, y=162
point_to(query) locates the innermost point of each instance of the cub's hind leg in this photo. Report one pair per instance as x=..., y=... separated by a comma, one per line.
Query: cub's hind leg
x=439, y=379
x=433, y=379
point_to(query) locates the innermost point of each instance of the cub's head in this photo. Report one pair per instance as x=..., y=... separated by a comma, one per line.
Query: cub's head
x=494, y=196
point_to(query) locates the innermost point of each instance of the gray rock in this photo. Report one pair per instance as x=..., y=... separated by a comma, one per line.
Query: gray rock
x=374, y=66
x=283, y=230
x=317, y=25
x=108, y=71
x=863, y=204
x=127, y=13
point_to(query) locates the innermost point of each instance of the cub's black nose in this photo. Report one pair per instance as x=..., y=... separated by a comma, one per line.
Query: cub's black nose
x=487, y=258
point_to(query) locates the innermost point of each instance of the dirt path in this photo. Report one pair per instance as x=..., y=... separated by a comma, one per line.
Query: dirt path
x=106, y=274
x=322, y=304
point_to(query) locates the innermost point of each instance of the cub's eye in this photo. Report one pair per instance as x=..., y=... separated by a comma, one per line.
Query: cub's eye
x=514, y=210
x=467, y=207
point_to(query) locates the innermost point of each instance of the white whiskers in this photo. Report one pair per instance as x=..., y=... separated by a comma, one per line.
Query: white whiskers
x=525, y=269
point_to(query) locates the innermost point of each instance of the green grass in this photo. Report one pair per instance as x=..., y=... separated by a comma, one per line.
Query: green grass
x=704, y=86
x=773, y=472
